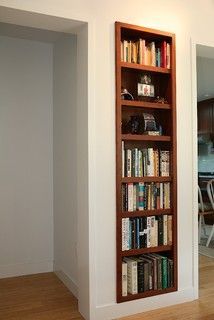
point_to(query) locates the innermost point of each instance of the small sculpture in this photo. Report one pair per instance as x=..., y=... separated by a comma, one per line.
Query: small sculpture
x=125, y=95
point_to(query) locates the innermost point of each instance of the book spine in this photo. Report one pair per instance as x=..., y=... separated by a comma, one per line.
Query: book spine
x=168, y=56
x=129, y=162
x=150, y=162
x=169, y=228
x=153, y=234
x=155, y=274
x=123, y=160
x=134, y=278
x=158, y=195
x=164, y=163
x=140, y=159
x=165, y=230
x=130, y=196
x=124, y=279
x=150, y=275
x=140, y=272
x=141, y=196
x=163, y=54
x=133, y=233
x=166, y=195
x=127, y=234
x=137, y=234
x=146, y=276
x=159, y=261
x=164, y=273
x=160, y=230
x=123, y=234
x=148, y=240
x=134, y=197
x=170, y=273
x=125, y=51
x=153, y=57
x=121, y=51
x=161, y=195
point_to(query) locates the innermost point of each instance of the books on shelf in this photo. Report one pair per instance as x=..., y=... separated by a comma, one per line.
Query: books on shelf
x=147, y=272
x=144, y=162
x=156, y=54
x=146, y=232
x=145, y=196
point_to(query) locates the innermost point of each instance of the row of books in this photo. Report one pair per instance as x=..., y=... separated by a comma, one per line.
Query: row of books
x=146, y=53
x=146, y=272
x=145, y=162
x=145, y=196
x=146, y=232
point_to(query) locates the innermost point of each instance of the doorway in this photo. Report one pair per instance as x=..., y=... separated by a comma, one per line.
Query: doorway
x=43, y=124
x=204, y=157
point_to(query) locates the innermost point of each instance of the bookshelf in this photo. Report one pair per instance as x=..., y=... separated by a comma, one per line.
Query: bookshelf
x=146, y=178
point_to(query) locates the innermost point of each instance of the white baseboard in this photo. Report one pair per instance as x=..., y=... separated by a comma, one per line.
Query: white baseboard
x=20, y=269
x=68, y=282
x=118, y=310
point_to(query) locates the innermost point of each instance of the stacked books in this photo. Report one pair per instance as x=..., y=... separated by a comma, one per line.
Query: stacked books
x=146, y=232
x=146, y=53
x=144, y=162
x=145, y=196
x=146, y=272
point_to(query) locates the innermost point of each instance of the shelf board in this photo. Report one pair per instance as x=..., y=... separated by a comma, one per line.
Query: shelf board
x=134, y=252
x=146, y=137
x=137, y=66
x=145, y=104
x=145, y=294
x=140, y=213
x=146, y=179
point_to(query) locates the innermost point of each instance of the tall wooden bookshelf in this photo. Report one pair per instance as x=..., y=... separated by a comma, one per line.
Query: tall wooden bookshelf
x=163, y=109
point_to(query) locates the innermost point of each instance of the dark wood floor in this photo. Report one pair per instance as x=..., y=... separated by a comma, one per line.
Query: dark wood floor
x=44, y=297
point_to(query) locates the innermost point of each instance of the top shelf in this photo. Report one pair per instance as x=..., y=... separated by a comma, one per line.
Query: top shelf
x=136, y=66
x=133, y=29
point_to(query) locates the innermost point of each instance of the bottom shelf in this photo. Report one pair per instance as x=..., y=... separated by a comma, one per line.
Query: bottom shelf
x=145, y=294
x=146, y=275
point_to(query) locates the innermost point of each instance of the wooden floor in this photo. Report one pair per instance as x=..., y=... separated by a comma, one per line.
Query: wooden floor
x=36, y=297
x=44, y=297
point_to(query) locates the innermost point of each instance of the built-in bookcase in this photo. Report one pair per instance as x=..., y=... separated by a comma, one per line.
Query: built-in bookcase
x=145, y=162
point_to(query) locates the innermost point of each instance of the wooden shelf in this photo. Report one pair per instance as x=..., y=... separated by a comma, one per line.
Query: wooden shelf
x=128, y=76
x=145, y=179
x=141, y=213
x=141, y=137
x=145, y=104
x=136, y=66
x=145, y=294
x=135, y=252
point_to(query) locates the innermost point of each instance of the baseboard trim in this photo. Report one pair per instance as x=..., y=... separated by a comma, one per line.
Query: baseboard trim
x=20, y=269
x=68, y=282
x=113, y=311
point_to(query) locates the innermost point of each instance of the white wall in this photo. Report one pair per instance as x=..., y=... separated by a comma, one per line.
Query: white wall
x=65, y=160
x=187, y=19
x=26, y=214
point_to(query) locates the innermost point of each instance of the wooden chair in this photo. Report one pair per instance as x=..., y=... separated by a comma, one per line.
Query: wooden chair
x=203, y=209
x=210, y=192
